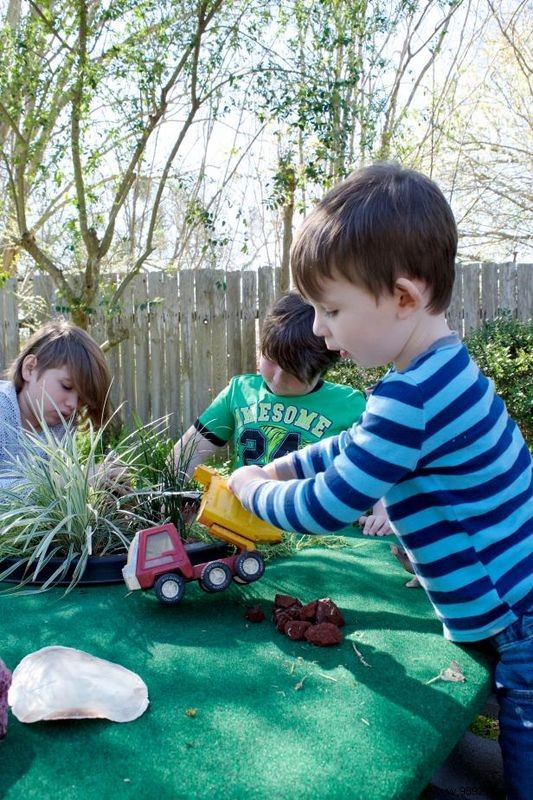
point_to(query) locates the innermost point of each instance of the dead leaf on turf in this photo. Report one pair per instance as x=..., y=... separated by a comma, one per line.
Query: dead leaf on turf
x=452, y=673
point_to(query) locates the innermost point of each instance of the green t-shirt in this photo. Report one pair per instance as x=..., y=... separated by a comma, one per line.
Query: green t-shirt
x=261, y=426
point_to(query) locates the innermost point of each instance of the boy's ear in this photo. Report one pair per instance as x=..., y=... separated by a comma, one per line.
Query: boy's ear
x=409, y=296
x=28, y=366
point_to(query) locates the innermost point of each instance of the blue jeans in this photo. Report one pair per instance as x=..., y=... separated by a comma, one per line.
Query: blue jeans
x=513, y=677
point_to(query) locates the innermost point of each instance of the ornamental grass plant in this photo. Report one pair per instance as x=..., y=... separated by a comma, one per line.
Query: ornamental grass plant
x=69, y=503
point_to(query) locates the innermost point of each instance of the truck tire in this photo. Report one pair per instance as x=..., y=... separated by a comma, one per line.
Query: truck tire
x=169, y=588
x=216, y=577
x=249, y=566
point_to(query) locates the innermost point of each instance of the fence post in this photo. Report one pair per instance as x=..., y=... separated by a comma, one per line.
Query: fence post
x=248, y=329
x=157, y=361
x=489, y=291
x=233, y=322
x=454, y=314
x=524, y=290
x=265, y=293
x=471, y=297
x=188, y=366
x=171, y=318
x=219, y=346
x=508, y=287
x=9, y=333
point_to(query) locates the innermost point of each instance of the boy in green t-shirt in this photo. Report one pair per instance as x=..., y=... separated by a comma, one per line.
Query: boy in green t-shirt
x=284, y=407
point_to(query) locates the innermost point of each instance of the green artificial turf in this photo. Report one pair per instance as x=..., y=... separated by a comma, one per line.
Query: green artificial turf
x=236, y=709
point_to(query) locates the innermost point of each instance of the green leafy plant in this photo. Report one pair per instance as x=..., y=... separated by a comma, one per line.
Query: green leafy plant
x=157, y=479
x=503, y=350
x=71, y=500
x=61, y=506
x=350, y=374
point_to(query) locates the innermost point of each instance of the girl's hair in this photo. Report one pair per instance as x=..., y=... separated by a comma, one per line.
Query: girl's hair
x=60, y=343
x=288, y=340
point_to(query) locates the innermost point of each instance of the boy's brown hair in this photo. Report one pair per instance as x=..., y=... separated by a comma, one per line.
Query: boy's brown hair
x=61, y=343
x=380, y=223
x=287, y=339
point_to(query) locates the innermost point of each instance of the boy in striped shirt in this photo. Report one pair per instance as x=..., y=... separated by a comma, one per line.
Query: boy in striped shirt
x=376, y=261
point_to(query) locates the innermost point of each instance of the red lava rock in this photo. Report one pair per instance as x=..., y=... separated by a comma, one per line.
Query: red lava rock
x=309, y=611
x=323, y=634
x=255, y=614
x=286, y=600
x=296, y=628
x=318, y=621
x=291, y=612
x=328, y=611
x=5, y=683
x=281, y=620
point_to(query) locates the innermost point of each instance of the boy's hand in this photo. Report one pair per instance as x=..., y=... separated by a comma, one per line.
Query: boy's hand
x=375, y=525
x=242, y=477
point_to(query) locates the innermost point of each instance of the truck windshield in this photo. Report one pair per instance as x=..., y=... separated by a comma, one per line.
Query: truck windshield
x=157, y=544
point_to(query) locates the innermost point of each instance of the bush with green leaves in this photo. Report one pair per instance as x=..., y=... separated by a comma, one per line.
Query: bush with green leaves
x=503, y=349
x=350, y=374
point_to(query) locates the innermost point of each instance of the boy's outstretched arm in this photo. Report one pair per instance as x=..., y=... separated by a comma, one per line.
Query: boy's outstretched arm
x=240, y=480
x=278, y=470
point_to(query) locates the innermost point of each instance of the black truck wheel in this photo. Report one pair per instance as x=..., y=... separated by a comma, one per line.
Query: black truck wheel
x=216, y=577
x=249, y=566
x=170, y=588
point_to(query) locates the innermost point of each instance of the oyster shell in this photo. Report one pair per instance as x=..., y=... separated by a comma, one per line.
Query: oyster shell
x=64, y=683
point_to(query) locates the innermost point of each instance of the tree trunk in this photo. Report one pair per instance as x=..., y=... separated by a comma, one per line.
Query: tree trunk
x=287, y=222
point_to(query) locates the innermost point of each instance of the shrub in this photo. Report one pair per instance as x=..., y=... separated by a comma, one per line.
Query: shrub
x=501, y=347
x=503, y=350
x=349, y=374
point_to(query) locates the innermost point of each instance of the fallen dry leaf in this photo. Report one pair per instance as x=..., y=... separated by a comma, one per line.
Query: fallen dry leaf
x=451, y=673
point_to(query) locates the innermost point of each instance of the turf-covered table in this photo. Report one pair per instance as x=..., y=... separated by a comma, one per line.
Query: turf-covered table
x=236, y=709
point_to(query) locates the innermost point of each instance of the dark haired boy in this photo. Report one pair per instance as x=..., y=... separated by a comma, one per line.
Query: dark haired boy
x=285, y=406
x=376, y=260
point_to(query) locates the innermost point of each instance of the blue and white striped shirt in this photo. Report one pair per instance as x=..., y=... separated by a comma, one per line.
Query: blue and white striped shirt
x=437, y=444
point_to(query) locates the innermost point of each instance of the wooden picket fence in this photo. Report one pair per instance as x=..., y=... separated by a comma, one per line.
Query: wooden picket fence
x=189, y=333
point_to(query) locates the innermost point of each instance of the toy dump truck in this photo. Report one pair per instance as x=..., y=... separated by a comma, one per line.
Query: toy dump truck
x=159, y=558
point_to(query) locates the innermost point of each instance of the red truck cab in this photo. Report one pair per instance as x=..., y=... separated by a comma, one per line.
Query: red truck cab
x=158, y=558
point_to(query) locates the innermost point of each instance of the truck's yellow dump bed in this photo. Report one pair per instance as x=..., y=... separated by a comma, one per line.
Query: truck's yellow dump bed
x=226, y=518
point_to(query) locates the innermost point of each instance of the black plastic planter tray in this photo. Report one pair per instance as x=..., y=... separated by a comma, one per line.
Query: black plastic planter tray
x=99, y=569
x=108, y=568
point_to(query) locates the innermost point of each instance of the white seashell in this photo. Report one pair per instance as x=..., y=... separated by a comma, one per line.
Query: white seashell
x=65, y=683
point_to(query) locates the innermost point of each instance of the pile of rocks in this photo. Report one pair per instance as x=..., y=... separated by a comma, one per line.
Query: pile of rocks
x=318, y=622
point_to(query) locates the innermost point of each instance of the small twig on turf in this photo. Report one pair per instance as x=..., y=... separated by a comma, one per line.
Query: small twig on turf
x=360, y=656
